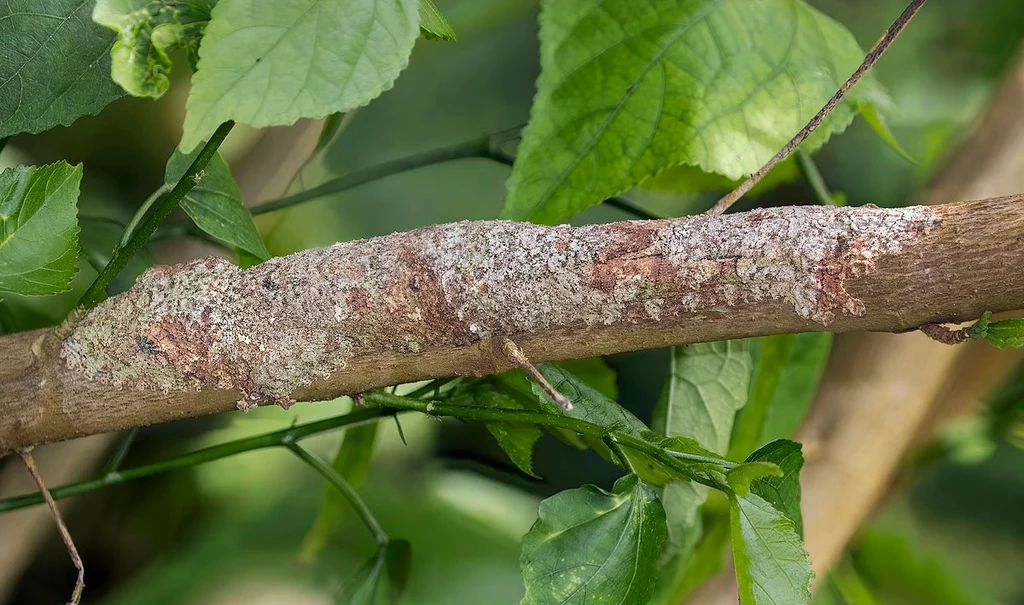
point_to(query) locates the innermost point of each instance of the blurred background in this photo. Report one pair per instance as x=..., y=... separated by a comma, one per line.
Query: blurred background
x=949, y=527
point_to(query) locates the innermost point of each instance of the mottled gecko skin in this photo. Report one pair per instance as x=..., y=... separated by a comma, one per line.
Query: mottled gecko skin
x=284, y=324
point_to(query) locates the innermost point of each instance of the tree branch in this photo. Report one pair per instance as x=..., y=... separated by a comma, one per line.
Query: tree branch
x=194, y=339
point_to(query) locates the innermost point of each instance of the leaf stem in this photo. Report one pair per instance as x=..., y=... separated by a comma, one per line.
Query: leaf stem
x=129, y=229
x=124, y=443
x=488, y=147
x=209, y=454
x=334, y=478
x=873, y=55
x=670, y=458
x=812, y=175
x=98, y=290
x=470, y=149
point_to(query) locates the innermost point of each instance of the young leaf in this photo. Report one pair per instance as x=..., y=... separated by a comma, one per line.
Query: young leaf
x=591, y=546
x=1005, y=333
x=382, y=579
x=515, y=439
x=147, y=31
x=771, y=563
x=587, y=403
x=787, y=371
x=706, y=384
x=55, y=65
x=352, y=462
x=269, y=63
x=629, y=88
x=741, y=477
x=782, y=491
x=39, y=228
x=433, y=24
x=215, y=203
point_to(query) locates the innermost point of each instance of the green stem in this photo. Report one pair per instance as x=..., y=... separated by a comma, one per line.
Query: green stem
x=470, y=149
x=812, y=175
x=670, y=458
x=334, y=478
x=129, y=229
x=209, y=454
x=124, y=443
x=98, y=290
x=488, y=147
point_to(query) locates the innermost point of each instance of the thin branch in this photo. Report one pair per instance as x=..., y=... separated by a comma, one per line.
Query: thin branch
x=488, y=147
x=334, y=478
x=869, y=60
x=812, y=175
x=98, y=290
x=515, y=355
x=476, y=148
x=65, y=535
x=435, y=293
x=209, y=454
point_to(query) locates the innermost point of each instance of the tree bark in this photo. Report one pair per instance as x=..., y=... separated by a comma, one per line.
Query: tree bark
x=195, y=339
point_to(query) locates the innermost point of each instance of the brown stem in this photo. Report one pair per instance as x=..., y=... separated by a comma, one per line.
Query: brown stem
x=65, y=535
x=195, y=339
x=516, y=356
x=869, y=60
x=944, y=334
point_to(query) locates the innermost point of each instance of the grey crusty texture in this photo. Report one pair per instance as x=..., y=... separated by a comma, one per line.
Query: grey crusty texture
x=284, y=324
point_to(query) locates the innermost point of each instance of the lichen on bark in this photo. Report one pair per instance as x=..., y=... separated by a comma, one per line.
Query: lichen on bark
x=284, y=324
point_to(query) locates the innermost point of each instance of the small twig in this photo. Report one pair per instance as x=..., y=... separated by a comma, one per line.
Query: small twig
x=65, y=535
x=515, y=355
x=945, y=335
x=869, y=60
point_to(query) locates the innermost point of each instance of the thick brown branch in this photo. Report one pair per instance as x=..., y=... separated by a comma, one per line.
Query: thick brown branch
x=197, y=338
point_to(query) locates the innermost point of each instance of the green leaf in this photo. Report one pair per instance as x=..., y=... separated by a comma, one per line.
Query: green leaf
x=871, y=114
x=353, y=463
x=433, y=24
x=147, y=31
x=706, y=385
x=1006, y=333
x=787, y=371
x=382, y=579
x=515, y=439
x=690, y=179
x=629, y=88
x=782, y=492
x=270, y=63
x=771, y=563
x=594, y=547
x=741, y=477
x=215, y=203
x=54, y=65
x=587, y=403
x=39, y=228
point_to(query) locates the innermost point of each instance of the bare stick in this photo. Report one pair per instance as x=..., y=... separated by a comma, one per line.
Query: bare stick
x=869, y=60
x=65, y=535
x=516, y=356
